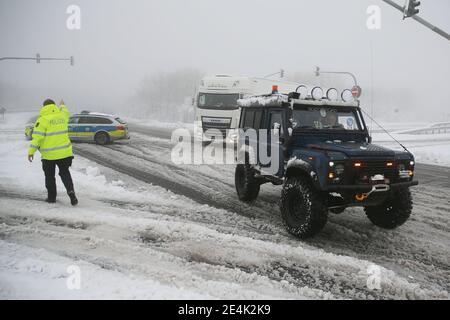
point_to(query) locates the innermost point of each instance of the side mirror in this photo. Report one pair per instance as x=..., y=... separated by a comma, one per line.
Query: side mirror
x=276, y=128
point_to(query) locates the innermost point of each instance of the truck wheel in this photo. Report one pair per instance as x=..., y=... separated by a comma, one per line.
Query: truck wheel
x=303, y=209
x=247, y=186
x=102, y=138
x=394, y=212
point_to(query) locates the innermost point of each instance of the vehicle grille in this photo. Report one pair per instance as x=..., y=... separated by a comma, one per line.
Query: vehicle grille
x=220, y=126
x=223, y=131
x=370, y=168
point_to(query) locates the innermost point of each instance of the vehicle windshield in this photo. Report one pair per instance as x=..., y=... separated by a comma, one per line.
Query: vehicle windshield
x=218, y=101
x=326, y=118
x=120, y=121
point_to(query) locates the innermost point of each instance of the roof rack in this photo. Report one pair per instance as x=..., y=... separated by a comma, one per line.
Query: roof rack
x=280, y=100
x=269, y=100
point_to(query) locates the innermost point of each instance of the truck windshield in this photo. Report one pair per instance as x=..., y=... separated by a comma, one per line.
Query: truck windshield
x=326, y=118
x=218, y=101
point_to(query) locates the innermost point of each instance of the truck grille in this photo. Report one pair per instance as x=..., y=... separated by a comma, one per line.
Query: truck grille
x=371, y=168
x=222, y=131
x=209, y=125
x=221, y=124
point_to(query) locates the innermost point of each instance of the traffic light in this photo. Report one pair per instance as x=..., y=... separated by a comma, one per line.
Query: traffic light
x=282, y=73
x=317, y=72
x=38, y=58
x=72, y=61
x=411, y=9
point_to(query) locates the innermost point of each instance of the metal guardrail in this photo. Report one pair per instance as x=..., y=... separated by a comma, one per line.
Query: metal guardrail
x=435, y=129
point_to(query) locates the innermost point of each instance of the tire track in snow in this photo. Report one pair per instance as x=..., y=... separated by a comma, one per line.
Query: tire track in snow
x=97, y=248
x=189, y=186
x=402, y=250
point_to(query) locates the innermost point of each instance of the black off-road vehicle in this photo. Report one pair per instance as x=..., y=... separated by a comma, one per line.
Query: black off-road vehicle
x=326, y=162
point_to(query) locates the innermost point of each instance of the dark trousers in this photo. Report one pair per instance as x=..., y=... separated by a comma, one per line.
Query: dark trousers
x=50, y=182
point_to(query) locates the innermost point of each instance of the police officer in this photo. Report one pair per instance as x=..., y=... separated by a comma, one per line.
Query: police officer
x=51, y=138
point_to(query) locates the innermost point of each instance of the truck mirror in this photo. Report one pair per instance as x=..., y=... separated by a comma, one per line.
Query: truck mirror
x=369, y=139
x=276, y=128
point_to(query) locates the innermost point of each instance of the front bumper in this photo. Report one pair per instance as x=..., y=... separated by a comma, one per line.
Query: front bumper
x=368, y=188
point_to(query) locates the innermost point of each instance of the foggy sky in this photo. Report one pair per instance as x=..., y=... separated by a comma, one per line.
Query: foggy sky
x=120, y=42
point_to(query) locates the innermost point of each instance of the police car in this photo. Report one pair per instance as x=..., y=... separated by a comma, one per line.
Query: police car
x=29, y=127
x=97, y=127
x=91, y=127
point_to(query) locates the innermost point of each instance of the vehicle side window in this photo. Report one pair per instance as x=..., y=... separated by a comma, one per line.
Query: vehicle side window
x=73, y=120
x=257, y=122
x=83, y=120
x=276, y=120
x=94, y=120
x=102, y=121
x=248, y=120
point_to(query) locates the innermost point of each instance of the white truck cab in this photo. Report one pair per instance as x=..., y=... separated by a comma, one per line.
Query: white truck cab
x=216, y=101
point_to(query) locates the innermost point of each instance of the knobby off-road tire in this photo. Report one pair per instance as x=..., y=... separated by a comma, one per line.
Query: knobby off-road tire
x=303, y=208
x=247, y=186
x=394, y=212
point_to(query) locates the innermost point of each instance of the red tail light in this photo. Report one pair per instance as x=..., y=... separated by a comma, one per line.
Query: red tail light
x=120, y=127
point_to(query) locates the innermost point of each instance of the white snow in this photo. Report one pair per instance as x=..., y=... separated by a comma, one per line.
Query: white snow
x=296, y=162
x=133, y=240
x=262, y=100
x=427, y=148
x=153, y=123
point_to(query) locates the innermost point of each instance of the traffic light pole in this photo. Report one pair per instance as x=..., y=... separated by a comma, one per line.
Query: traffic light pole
x=281, y=73
x=38, y=59
x=420, y=20
x=318, y=72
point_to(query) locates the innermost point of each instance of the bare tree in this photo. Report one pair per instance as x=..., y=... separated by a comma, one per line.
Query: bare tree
x=166, y=96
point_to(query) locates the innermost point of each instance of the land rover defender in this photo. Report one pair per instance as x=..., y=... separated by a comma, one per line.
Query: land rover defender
x=326, y=161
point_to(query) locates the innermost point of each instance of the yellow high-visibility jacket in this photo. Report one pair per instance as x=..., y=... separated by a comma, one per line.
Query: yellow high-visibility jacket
x=50, y=133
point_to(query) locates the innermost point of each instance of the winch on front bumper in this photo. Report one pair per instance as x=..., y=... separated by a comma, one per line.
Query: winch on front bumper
x=369, y=188
x=364, y=195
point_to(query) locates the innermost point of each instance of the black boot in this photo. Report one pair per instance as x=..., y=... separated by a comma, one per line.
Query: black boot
x=73, y=198
x=50, y=200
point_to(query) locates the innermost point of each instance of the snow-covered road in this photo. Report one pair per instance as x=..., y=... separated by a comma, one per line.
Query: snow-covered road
x=131, y=237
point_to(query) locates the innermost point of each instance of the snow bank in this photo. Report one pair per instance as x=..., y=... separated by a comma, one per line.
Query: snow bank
x=152, y=253
x=427, y=148
x=30, y=273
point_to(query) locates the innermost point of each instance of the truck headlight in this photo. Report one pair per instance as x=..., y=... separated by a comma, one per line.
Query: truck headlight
x=404, y=172
x=336, y=171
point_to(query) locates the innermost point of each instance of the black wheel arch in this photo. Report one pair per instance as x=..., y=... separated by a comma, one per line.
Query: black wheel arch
x=304, y=171
x=103, y=132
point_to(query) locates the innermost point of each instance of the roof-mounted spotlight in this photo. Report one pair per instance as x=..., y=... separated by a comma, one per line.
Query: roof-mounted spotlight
x=317, y=93
x=332, y=94
x=302, y=90
x=347, y=95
